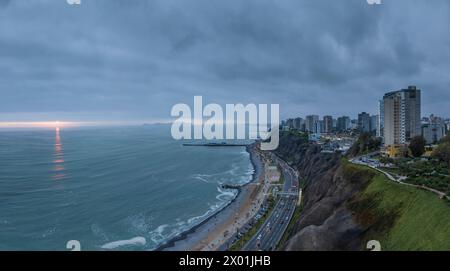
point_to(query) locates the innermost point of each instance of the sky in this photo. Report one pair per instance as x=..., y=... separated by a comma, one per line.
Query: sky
x=131, y=61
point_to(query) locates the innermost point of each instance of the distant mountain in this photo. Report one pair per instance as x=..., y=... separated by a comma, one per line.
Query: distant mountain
x=155, y=124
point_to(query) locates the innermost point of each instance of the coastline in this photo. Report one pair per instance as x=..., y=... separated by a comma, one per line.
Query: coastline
x=195, y=237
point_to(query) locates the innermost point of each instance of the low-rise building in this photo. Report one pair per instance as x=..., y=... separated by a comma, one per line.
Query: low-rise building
x=395, y=151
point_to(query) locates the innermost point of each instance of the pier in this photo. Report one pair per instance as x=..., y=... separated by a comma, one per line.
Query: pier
x=223, y=144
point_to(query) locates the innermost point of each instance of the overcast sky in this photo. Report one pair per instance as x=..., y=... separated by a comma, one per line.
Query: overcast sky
x=110, y=60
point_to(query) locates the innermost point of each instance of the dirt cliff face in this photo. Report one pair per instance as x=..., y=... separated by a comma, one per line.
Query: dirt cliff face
x=326, y=222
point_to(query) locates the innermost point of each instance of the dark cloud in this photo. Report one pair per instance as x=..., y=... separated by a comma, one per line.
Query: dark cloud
x=4, y=3
x=135, y=59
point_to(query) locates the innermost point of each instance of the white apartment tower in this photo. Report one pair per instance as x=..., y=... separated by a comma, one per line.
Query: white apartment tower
x=402, y=119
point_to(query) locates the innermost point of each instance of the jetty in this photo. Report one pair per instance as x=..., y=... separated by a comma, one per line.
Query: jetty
x=222, y=144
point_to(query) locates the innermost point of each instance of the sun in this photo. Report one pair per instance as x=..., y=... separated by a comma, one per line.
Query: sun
x=40, y=124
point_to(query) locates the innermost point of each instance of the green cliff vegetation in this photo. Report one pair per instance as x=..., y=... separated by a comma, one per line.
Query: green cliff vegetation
x=430, y=173
x=442, y=153
x=399, y=216
x=433, y=173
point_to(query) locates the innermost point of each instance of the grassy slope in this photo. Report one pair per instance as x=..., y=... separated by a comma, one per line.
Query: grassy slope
x=401, y=217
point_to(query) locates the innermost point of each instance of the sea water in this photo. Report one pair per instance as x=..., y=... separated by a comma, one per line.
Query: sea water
x=123, y=188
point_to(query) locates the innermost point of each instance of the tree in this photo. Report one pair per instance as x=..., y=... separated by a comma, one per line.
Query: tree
x=417, y=146
x=364, y=144
x=442, y=152
x=446, y=139
x=386, y=160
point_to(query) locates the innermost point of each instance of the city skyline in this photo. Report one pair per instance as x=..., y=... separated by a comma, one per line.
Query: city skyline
x=116, y=62
x=398, y=121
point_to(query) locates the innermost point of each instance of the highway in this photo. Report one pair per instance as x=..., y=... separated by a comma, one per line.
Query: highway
x=271, y=232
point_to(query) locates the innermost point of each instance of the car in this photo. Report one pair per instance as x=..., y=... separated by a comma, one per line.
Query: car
x=259, y=237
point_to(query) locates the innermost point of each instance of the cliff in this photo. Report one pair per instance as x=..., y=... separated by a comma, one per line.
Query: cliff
x=345, y=205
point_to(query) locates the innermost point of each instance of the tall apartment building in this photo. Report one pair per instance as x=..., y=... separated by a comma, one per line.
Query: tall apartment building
x=402, y=111
x=433, y=129
x=290, y=123
x=327, y=124
x=353, y=124
x=299, y=124
x=380, y=127
x=343, y=123
x=364, y=122
x=312, y=124
x=374, y=123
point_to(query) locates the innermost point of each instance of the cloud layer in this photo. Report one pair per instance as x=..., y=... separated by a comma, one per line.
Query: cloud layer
x=132, y=60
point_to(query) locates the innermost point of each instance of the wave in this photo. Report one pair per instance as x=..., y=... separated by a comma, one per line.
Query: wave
x=133, y=241
x=158, y=236
x=237, y=174
x=226, y=193
x=203, y=177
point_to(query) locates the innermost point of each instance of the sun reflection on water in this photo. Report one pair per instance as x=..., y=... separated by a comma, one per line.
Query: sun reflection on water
x=58, y=158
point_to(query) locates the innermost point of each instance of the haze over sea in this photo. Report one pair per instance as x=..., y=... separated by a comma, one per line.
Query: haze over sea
x=102, y=186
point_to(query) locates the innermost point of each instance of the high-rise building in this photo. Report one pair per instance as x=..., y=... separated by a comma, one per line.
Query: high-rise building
x=290, y=123
x=380, y=127
x=299, y=123
x=312, y=124
x=447, y=126
x=374, y=123
x=433, y=129
x=343, y=123
x=353, y=124
x=364, y=122
x=401, y=116
x=327, y=124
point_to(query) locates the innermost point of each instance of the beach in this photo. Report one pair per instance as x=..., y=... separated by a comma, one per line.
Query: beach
x=214, y=233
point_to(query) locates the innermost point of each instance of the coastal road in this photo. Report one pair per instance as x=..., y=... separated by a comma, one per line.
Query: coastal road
x=272, y=230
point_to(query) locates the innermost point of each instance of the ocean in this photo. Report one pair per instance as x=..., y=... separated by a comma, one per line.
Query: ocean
x=123, y=188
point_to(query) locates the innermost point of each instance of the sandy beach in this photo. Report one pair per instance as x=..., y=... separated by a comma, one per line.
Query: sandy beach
x=214, y=232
